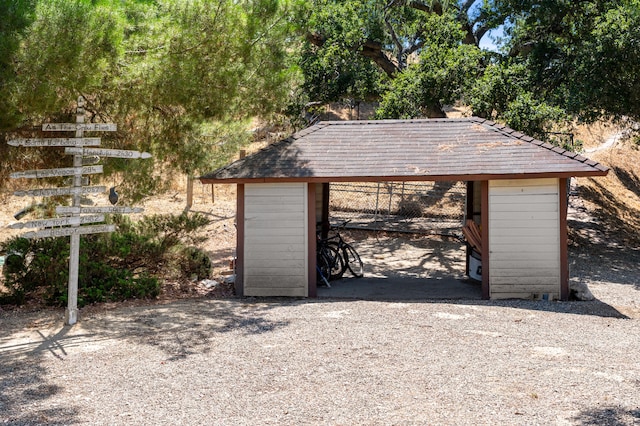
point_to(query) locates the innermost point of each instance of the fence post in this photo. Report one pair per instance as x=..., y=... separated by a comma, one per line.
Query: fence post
x=375, y=212
x=189, y=192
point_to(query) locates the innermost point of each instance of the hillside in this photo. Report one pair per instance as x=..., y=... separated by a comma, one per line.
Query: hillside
x=613, y=200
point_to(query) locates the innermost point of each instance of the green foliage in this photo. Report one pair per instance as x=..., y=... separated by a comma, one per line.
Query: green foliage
x=336, y=70
x=445, y=71
x=195, y=263
x=164, y=71
x=333, y=74
x=129, y=263
x=580, y=56
x=535, y=118
x=32, y=264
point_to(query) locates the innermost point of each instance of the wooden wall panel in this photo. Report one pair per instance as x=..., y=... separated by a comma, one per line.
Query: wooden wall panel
x=524, y=238
x=276, y=240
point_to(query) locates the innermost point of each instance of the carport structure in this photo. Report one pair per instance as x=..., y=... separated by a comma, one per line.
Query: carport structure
x=516, y=193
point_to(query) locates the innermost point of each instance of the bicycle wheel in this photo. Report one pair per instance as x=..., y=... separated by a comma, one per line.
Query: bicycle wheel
x=335, y=261
x=353, y=261
x=323, y=269
x=336, y=248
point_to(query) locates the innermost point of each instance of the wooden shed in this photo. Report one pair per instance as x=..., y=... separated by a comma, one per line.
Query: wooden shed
x=516, y=193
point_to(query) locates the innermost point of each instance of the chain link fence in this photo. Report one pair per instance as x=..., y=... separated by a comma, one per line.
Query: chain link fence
x=419, y=207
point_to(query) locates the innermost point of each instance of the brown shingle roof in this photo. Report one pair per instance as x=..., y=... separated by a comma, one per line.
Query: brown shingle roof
x=421, y=149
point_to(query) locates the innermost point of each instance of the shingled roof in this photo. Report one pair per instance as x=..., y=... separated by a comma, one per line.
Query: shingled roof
x=403, y=150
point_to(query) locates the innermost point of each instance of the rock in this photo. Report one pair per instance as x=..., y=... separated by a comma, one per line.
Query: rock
x=580, y=291
x=209, y=283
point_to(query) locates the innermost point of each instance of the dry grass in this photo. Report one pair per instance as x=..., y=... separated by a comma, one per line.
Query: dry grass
x=615, y=199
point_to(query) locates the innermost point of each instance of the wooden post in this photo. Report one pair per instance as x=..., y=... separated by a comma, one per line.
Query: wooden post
x=484, y=219
x=326, y=220
x=189, y=192
x=564, y=240
x=468, y=215
x=71, y=313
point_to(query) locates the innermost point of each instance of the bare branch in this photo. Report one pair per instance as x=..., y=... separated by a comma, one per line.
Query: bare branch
x=398, y=44
x=373, y=51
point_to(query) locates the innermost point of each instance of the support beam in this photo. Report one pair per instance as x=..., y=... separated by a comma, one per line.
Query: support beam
x=484, y=218
x=239, y=284
x=189, y=193
x=326, y=224
x=564, y=241
x=311, y=237
x=468, y=215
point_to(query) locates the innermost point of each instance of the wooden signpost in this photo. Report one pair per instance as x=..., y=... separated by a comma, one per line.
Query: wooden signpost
x=52, y=192
x=67, y=171
x=115, y=153
x=74, y=224
x=61, y=221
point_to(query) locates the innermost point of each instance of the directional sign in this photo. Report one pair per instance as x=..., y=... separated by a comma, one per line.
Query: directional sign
x=66, y=171
x=55, y=142
x=65, y=232
x=63, y=221
x=115, y=153
x=98, y=209
x=89, y=127
x=51, y=192
x=87, y=161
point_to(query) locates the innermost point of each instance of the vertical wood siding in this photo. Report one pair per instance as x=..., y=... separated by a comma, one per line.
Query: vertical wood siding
x=275, y=240
x=524, y=238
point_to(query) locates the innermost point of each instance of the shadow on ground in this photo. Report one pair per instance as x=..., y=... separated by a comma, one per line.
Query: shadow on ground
x=24, y=383
x=608, y=416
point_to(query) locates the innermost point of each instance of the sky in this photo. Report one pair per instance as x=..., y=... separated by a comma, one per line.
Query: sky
x=487, y=42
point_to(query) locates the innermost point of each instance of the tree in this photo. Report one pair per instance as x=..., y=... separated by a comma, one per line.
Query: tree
x=176, y=76
x=580, y=56
x=561, y=60
x=376, y=41
x=443, y=72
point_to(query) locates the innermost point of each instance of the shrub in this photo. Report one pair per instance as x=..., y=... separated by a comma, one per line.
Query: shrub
x=129, y=263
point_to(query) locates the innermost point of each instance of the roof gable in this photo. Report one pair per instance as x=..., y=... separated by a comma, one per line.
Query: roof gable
x=421, y=149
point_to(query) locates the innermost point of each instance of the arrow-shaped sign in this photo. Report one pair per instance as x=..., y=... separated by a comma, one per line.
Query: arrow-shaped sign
x=63, y=221
x=51, y=192
x=66, y=171
x=98, y=209
x=89, y=127
x=93, y=159
x=115, y=153
x=55, y=142
x=65, y=232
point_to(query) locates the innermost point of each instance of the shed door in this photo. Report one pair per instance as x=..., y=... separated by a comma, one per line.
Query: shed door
x=524, y=238
x=275, y=240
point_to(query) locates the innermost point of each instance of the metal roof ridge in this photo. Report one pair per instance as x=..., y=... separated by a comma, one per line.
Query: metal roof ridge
x=508, y=131
x=393, y=121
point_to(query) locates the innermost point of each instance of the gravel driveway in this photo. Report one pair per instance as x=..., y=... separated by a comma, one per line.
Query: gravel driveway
x=328, y=361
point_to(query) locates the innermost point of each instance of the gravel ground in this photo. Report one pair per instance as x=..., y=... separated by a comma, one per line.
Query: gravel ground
x=217, y=359
x=329, y=361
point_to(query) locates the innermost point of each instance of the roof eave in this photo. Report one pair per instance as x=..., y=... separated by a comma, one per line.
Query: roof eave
x=400, y=178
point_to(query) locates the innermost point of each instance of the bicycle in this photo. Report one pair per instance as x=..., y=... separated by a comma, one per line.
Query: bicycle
x=335, y=256
x=329, y=262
